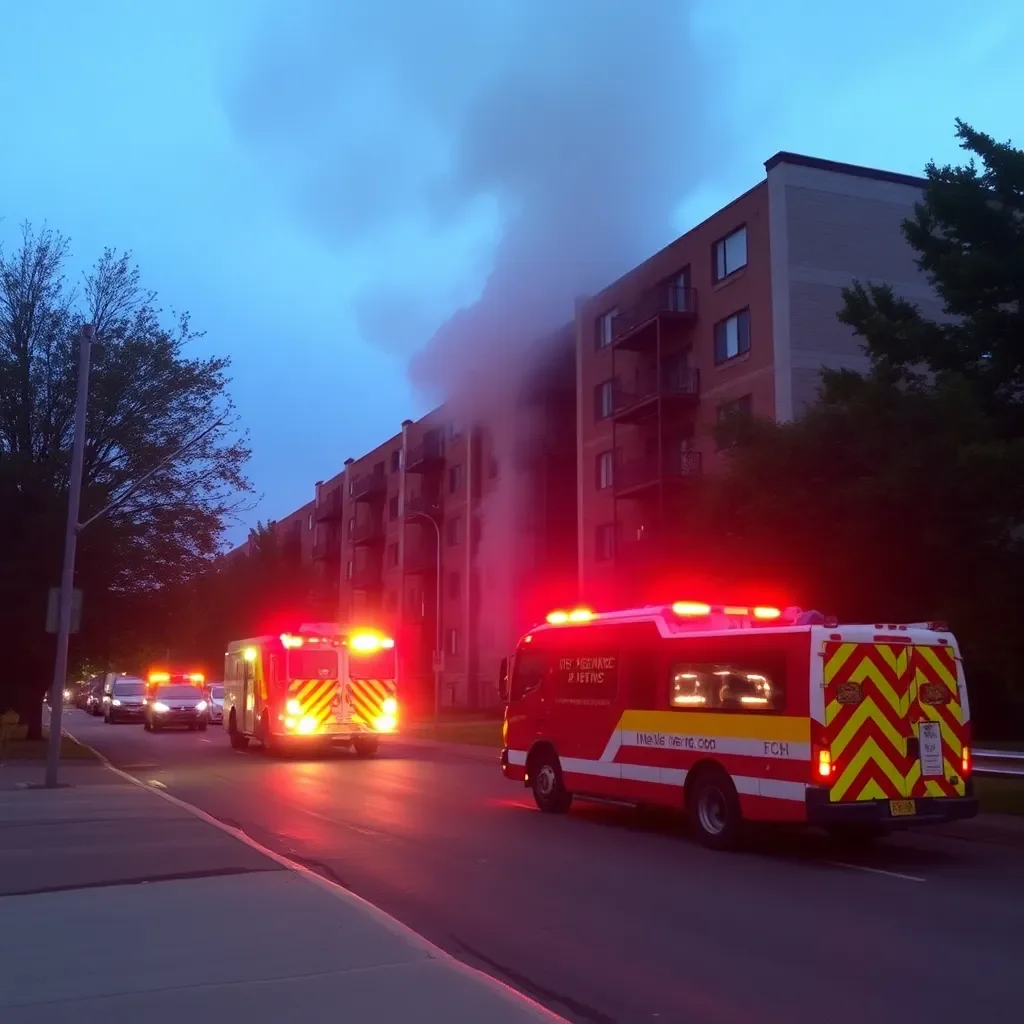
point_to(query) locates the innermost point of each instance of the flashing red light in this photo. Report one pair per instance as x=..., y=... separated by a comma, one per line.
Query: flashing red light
x=825, y=765
x=557, y=618
x=965, y=762
x=691, y=608
x=764, y=612
x=289, y=641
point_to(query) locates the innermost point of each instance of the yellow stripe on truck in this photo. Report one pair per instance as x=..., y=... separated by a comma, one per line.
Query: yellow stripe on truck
x=774, y=728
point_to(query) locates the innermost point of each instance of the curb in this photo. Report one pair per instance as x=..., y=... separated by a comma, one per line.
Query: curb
x=344, y=895
x=471, y=750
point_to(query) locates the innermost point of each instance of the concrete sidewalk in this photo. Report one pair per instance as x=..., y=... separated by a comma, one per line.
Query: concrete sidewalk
x=118, y=906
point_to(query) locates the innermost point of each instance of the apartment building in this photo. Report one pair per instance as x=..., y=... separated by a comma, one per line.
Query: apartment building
x=737, y=316
x=294, y=534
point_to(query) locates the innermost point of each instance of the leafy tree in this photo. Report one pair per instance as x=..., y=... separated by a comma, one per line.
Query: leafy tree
x=161, y=445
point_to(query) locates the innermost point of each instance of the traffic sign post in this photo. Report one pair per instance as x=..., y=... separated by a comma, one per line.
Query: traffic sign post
x=53, y=611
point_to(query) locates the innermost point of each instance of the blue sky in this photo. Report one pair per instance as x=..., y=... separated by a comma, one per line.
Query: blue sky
x=324, y=183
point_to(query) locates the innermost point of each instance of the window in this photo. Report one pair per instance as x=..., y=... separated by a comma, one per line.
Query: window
x=731, y=420
x=310, y=663
x=452, y=645
x=604, y=537
x=732, y=336
x=393, y=508
x=680, y=298
x=396, y=460
x=603, y=328
x=454, y=586
x=351, y=526
x=604, y=399
x=455, y=479
x=528, y=672
x=309, y=522
x=452, y=430
x=726, y=686
x=605, y=470
x=392, y=556
x=349, y=566
x=453, y=531
x=731, y=253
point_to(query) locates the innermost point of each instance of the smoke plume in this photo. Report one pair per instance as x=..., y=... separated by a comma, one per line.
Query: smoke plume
x=493, y=158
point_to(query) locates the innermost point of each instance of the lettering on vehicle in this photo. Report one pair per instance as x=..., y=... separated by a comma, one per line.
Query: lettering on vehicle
x=776, y=749
x=587, y=680
x=671, y=741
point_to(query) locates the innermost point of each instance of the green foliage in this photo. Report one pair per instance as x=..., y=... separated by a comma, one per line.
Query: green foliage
x=161, y=445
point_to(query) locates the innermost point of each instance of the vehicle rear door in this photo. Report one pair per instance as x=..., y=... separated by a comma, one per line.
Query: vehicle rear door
x=938, y=717
x=867, y=719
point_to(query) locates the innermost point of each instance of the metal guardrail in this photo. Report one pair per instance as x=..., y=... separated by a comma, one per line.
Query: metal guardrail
x=1007, y=763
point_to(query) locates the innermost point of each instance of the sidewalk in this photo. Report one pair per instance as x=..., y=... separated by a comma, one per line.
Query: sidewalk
x=118, y=906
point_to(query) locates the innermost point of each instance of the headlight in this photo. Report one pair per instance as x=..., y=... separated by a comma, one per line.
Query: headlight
x=67, y=695
x=385, y=723
x=307, y=725
x=390, y=706
x=115, y=702
x=160, y=706
x=293, y=707
x=202, y=706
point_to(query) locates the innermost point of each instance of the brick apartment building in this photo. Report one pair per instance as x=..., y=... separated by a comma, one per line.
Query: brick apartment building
x=614, y=420
x=738, y=314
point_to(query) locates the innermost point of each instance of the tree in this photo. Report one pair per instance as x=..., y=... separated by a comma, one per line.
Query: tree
x=899, y=495
x=149, y=403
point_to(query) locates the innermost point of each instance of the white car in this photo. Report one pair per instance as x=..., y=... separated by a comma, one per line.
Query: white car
x=217, y=703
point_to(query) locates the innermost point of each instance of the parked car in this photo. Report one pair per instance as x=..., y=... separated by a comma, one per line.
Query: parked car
x=126, y=700
x=94, y=699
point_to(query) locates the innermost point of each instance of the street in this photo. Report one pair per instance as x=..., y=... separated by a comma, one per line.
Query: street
x=610, y=914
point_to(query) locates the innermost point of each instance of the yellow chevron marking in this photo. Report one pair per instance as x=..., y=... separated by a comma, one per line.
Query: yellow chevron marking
x=930, y=654
x=865, y=710
x=867, y=669
x=839, y=658
x=307, y=687
x=895, y=657
x=869, y=751
x=871, y=791
x=320, y=703
x=948, y=735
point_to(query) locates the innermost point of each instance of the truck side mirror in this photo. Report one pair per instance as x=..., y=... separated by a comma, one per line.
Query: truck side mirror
x=503, y=680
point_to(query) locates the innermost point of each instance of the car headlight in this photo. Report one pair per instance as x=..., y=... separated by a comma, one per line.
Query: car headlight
x=202, y=706
x=115, y=702
x=67, y=695
x=293, y=707
x=160, y=706
x=390, y=706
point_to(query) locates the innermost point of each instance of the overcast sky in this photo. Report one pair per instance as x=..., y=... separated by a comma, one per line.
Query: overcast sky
x=325, y=184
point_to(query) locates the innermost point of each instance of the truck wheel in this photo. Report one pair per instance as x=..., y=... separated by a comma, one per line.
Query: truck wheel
x=238, y=741
x=266, y=736
x=547, y=784
x=714, y=809
x=367, y=747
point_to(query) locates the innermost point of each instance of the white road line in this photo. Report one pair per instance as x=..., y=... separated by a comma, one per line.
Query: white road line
x=875, y=871
x=157, y=783
x=203, y=739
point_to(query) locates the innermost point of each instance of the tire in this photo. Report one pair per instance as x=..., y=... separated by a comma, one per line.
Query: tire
x=238, y=741
x=714, y=809
x=266, y=737
x=547, y=784
x=366, y=747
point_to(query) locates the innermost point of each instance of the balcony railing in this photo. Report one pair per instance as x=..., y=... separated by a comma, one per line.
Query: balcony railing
x=664, y=299
x=421, y=506
x=639, y=474
x=367, y=577
x=326, y=548
x=369, y=486
x=369, y=532
x=677, y=383
x=329, y=505
x=427, y=455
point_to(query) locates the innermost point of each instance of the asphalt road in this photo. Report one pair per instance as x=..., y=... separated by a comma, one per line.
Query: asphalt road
x=611, y=915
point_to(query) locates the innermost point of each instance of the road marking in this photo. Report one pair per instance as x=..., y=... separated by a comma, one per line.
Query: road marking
x=203, y=739
x=157, y=783
x=875, y=871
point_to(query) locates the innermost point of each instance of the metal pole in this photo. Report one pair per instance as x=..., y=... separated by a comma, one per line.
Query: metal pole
x=60, y=667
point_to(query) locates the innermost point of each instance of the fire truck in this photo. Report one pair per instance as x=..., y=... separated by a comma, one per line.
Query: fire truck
x=741, y=714
x=321, y=685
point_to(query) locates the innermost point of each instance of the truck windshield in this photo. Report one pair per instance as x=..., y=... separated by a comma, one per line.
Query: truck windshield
x=129, y=688
x=307, y=663
x=378, y=665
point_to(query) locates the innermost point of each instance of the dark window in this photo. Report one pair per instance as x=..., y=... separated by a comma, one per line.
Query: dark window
x=528, y=672
x=307, y=663
x=392, y=555
x=603, y=328
x=217, y=692
x=732, y=336
x=396, y=460
x=372, y=665
x=455, y=479
x=604, y=399
x=604, y=546
x=453, y=531
x=129, y=688
x=453, y=641
x=726, y=686
x=178, y=693
x=730, y=253
x=393, y=508
x=454, y=586
x=604, y=470
x=732, y=419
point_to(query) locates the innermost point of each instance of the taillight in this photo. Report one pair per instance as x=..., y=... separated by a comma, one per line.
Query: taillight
x=825, y=766
x=965, y=762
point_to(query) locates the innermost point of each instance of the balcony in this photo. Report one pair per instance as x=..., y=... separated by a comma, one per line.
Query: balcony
x=672, y=305
x=679, y=388
x=327, y=548
x=638, y=475
x=368, y=533
x=427, y=456
x=369, y=487
x=424, y=506
x=367, y=577
x=421, y=559
x=328, y=505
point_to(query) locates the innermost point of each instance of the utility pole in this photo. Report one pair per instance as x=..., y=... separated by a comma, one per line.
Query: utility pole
x=60, y=667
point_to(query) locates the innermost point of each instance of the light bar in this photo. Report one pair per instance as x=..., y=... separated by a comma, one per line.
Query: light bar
x=159, y=677
x=561, y=617
x=196, y=677
x=764, y=612
x=369, y=643
x=289, y=641
x=689, y=608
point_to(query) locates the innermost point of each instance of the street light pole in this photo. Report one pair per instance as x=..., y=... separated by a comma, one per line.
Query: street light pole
x=67, y=581
x=438, y=635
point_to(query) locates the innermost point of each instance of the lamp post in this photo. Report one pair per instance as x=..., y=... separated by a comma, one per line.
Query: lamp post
x=438, y=637
x=67, y=580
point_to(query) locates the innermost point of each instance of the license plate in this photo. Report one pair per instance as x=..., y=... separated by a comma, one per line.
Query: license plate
x=902, y=808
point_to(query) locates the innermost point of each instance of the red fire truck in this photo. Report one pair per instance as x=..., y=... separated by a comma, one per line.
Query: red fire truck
x=321, y=684
x=740, y=714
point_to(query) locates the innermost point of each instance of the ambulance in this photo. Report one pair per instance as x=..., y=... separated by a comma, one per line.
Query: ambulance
x=742, y=714
x=319, y=685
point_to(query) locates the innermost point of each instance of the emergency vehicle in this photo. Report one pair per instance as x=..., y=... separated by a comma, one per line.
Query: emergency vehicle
x=741, y=714
x=321, y=684
x=159, y=677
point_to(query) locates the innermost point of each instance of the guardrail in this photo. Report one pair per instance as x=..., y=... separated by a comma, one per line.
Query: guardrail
x=999, y=762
